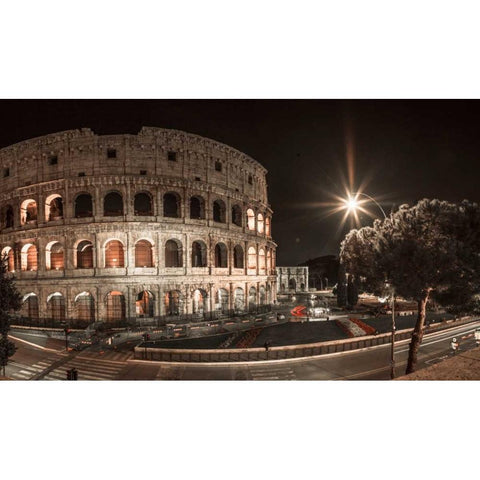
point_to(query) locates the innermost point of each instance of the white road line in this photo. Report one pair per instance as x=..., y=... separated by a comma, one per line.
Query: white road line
x=424, y=344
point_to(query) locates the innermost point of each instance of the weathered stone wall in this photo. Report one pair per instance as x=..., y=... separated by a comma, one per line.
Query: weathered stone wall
x=78, y=161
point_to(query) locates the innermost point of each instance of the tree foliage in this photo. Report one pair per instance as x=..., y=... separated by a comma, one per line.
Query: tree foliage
x=430, y=250
x=10, y=300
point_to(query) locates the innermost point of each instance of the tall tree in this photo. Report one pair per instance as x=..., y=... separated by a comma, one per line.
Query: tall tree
x=10, y=300
x=352, y=291
x=430, y=250
x=342, y=287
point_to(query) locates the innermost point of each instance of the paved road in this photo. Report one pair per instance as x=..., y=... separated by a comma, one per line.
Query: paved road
x=368, y=364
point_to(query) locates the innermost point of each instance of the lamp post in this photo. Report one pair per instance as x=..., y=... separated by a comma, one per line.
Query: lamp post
x=351, y=204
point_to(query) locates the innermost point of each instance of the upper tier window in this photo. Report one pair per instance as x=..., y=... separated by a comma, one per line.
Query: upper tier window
x=172, y=156
x=111, y=153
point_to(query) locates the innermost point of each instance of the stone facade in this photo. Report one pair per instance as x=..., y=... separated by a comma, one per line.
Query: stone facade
x=114, y=227
x=292, y=279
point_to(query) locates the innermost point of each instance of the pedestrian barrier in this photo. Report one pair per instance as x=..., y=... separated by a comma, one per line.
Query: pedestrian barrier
x=281, y=352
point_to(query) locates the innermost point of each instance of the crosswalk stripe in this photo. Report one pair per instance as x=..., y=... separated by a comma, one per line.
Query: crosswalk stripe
x=103, y=366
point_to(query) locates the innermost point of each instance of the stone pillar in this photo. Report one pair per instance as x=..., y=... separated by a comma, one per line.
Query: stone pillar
x=98, y=257
x=188, y=300
x=98, y=301
x=230, y=297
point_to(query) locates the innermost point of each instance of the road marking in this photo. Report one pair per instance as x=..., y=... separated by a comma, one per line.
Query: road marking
x=34, y=344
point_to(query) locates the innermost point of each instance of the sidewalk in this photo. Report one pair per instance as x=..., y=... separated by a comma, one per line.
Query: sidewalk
x=462, y=366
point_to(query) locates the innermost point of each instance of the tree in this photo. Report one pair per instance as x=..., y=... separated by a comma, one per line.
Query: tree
x=342, y=287
x=430, y=250
x=10, y=300
x=352, y=291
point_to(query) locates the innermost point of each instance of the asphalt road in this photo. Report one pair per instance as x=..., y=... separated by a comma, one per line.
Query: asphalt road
x=368, y=364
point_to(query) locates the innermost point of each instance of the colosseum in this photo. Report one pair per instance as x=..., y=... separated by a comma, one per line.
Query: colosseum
x=159, y=226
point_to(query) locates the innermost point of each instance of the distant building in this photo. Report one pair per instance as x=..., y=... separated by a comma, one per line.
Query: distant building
x=323, y=271
x=292, y=279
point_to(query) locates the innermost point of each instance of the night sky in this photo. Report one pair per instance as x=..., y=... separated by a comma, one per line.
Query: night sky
x=403, y=150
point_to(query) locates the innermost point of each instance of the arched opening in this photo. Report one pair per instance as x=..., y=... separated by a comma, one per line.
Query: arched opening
x=53, y=207
x=199, y=302
x=145, y=304
x=292, y=284
x=56, y=307
x=85, y=307
x=30, y=306
x=143, y=205
x=171, y=205
x=237, y=256
x=199, y=254
x=260, y=223
x=7, y=217
x=113, y=205
x=219, y=212
x=28, y=212
x=220, y=255
x=83, y=206
x=173, y=303
x=173, y=254
x=269, y=294
x=261, y=261
x=54, y=256
x=252, y=299
x=269, y=262
x=8, y=255
x=282, y=287
x=221, y=300
x=267, y=226
x=250, y=219
x=239, y=300
x=237, y=215
x=28, y=257
x=114, y=255
x=197, y=208
x=116, y=308
x=143, y=254
x=85, y=254
x=262, y=297
x=302, y=287
x=252, y=261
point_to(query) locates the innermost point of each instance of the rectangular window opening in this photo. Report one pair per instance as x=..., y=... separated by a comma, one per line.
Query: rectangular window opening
x=81, y=174
x=143, y=172
x=111, y=153
x=6, y=172
x=53, y=160
x=172, y=156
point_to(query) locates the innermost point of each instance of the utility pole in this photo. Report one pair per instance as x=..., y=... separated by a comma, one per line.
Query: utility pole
x=67, y=331
x=392, y=361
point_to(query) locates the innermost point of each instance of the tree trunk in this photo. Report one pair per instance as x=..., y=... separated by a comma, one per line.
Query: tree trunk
x=417, y=334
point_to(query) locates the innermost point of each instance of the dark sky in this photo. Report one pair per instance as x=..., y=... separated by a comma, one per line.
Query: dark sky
x=408, y=150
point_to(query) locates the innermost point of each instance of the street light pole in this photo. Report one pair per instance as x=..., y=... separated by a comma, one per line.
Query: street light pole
x=351, y=204
x=392, y=361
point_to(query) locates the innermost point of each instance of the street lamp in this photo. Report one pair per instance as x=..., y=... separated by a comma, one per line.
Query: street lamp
x=352, y=204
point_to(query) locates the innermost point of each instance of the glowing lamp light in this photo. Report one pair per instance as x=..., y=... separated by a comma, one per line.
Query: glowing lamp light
x=351, y=204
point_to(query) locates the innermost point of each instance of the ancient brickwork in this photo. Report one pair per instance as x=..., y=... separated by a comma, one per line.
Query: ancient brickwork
x=167, y=222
